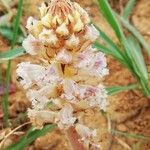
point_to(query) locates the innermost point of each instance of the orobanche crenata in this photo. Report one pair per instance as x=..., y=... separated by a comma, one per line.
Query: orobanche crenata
x=68, y=77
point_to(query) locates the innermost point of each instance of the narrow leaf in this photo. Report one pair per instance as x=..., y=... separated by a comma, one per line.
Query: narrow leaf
x=128, y=9
x=11, y=54
x=114, y=53
x=118, y=89
x=30, y=137
x=110, y=17
x=17, y=22
x=137, y=57
x=129, y=135
x=137, y=146
x=109, y=51
x=8, y=73
x=7, y=33
x=134, y=31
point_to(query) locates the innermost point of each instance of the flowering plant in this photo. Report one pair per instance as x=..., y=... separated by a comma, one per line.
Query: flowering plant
x=70, y=71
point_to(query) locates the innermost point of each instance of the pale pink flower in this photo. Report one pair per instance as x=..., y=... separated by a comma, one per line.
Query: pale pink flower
x=85, y=132
x=64, y=56
x=32, y=45
x=42, y=116
x=30, y=23
x=73, y=41
x=43, y=9
x=48, y=36
x=66, y=119
x=92, y=33
x=72, y=91
x=94, y=63
x=38, y=100
x=51, y=74
x=27, y=73
x=97, y=97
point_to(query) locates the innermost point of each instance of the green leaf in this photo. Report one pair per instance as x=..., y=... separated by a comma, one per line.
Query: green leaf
x=109, y=51
x=17, y=22
x=118, y=89
x=8, y=73
x=134, y=31
x=7, y=33
x=137, y=146
x=129, y=135
x=128, y=9
x=110, y=17
x=11, y=54
x=30, y=137
x=111, y=45
x=137, y=57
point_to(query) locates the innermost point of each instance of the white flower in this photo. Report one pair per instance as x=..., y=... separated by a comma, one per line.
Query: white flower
x=85, y=132
x=43, y=116
x=94, y=63
x=62, y=30
x=52, y=74
x=78, y=26
x=92, y=33
x=66, y=118
x=40, y=98
x=84, y=14
x=30, y=23
x=97, y=97
x=38, y=101
x=32, y=45
x=73, y=42
x=46, y=20
x=72, y=92
x=48, y=36
x=64, y=56
x=43, y=9
x=27, y=73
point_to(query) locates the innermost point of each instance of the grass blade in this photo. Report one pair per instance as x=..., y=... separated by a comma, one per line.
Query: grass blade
x=137, y=56
x=129, y=135
x=110, y=17
x=113, y=47
x=7, y=33
x=11, y=54
x=128, y=9
x=138, y=63
x=30, y=137
x=134, y=31
x=118, y=89
x=137, y=146
x=108, y=51
x=112, y=52
x=17, y=22
x=5, y=103
x=6, y=92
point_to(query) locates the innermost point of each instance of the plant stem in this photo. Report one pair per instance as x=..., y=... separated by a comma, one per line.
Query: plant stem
x=5, y=103
x=73, y=138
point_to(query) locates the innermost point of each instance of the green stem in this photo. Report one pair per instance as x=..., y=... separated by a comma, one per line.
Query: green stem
x=5, y=102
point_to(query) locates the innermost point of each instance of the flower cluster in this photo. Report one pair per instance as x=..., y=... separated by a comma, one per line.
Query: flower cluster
x=57, y=87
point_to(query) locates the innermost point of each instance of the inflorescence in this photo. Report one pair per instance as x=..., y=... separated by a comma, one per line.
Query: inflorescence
x=67, y=79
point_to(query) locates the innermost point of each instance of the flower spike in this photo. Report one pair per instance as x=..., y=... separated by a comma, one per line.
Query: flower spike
x=69, y=72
